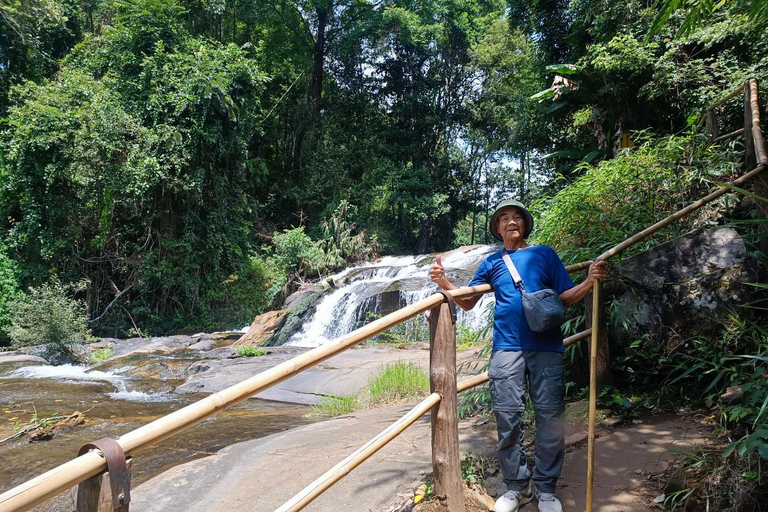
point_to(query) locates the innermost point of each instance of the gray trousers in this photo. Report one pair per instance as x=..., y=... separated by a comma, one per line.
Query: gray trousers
x=544, y=371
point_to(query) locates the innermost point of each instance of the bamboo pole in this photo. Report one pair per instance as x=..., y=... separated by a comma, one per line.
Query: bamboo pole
x=343, y=468
x=734, y=133
x=730, y=95
x=667, y=221
x=719, y=102
x=482, y=378
x=593, y=391
x=60, y=478
x=757, y=136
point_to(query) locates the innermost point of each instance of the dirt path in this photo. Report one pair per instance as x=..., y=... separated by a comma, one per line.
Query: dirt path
x=623, y=461
x=260, y=475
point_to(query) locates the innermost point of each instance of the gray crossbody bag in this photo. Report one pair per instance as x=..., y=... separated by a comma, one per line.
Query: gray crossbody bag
x=543, y=309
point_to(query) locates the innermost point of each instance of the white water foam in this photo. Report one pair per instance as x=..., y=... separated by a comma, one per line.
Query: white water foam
x=140, y=396
x=345, y=308
x=74, y=373
x=64, y=372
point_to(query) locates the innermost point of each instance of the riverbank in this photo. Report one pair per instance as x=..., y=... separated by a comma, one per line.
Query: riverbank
x=148, y=378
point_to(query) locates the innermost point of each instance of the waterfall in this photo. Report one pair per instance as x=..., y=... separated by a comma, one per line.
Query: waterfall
x=373, y=289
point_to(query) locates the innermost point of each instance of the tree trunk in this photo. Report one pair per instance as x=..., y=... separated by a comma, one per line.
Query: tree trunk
x=316, y=81
x=423, y=242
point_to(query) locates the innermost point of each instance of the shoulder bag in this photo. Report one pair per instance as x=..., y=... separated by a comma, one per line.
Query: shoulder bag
x=543, y=309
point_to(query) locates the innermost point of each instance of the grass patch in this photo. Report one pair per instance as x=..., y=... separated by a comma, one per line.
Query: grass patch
x=100, y=355
x=250, y=351
x=393, y=382
x=333, y=405
x=397, y=381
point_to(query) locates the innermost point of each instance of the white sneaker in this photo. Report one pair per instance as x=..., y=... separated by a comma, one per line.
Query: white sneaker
x=548, y=502
x=511, y=501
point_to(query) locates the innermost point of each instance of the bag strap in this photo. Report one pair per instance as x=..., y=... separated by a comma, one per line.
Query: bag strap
x=512, y=269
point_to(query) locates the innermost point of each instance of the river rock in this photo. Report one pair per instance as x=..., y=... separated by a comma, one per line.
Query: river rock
x=299, y=295
x=19, y=357
x=681, y=285
x=263, y=327
x=477, y=499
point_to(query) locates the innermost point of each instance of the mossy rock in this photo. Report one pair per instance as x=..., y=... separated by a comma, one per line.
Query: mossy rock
x=294, y=319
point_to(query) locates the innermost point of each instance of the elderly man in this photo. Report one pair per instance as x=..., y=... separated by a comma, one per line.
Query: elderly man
x=520, y=354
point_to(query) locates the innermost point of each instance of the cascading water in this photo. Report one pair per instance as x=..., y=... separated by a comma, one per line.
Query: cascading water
x=373, y=289
x=73, y=374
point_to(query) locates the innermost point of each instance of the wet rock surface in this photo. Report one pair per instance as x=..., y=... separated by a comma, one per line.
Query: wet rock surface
x=20, y=357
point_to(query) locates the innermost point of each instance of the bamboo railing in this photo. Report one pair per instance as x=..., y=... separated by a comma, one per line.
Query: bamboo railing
x=91, y=465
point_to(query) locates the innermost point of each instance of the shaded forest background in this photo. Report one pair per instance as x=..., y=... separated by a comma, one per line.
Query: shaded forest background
x=181, y=164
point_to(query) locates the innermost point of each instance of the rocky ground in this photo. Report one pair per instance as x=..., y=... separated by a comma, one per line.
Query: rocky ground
x=264, y=473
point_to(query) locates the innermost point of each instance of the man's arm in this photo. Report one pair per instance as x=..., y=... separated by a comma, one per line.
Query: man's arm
x=437, y=274
x=597, y=271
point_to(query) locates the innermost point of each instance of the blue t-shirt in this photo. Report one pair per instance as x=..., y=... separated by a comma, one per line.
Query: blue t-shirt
x=540, y=267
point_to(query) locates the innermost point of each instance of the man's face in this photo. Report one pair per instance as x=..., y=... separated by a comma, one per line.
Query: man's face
x=511, y=225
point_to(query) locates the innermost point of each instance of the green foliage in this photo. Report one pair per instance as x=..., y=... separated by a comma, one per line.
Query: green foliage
x=48, y=316
x=397, y=381
x=135, y=156
x=250, y=351
x=333, y=405
x=392, y=382
x=698, y=12
x=467, y=337
x=338, y=243
x=296, y=251
x=9, y=290
x=472, y=469
x=623, y=196
x=100, y=355
x=413, y=330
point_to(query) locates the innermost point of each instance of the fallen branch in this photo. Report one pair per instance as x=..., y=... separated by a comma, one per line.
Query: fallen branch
x=74, y=419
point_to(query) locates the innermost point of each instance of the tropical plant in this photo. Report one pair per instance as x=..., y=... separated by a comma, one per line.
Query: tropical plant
x=47, y=315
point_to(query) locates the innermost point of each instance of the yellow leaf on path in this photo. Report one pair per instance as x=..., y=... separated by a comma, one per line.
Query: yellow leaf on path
x=417, y=499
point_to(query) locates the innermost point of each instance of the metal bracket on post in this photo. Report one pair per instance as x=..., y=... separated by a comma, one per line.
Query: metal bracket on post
x=117, y=466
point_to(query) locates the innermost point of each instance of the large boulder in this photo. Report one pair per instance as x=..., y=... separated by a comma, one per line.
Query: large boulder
x=263, y=327
x=681, y=286
x=275, y=328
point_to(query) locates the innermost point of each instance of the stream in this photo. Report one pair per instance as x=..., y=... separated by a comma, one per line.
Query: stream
x=113, y=405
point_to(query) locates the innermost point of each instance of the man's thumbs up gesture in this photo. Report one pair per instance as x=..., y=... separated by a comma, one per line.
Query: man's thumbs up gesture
x=437, y=272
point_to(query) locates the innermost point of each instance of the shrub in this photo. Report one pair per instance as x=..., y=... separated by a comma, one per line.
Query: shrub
x=413, y=330
x=250, y=351
x=398, y=381
x=625, y=195
x=296, y=251
x=48, y=315
x=100, y=355
x=339, y=244
x=9, y=290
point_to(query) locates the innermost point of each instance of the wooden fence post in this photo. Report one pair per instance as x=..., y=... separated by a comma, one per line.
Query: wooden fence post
x=604, y=376
x=95, y=494
x=446, y=462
